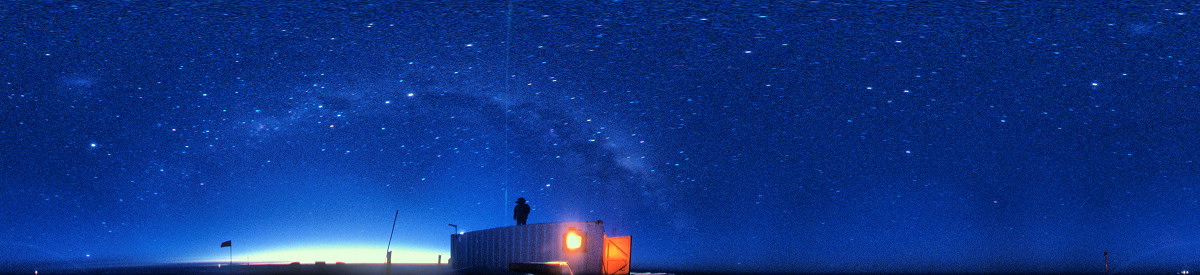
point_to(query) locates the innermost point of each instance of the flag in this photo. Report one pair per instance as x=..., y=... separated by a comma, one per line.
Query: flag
x=227, y=243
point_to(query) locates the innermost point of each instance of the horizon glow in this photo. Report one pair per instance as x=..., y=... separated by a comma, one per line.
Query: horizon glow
x=333, y=254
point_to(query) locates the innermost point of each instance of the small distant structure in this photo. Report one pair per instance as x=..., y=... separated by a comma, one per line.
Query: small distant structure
x=321, y=267
x=545, y=248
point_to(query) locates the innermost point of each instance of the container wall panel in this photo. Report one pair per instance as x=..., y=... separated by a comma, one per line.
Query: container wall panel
x=491, y=250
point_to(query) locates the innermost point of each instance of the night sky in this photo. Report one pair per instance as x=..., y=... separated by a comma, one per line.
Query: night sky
x=804, y=136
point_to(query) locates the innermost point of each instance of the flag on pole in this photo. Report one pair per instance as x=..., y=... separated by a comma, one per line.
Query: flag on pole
x=227, y=243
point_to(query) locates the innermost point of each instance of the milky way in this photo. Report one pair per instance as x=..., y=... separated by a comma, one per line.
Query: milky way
x=723, y=136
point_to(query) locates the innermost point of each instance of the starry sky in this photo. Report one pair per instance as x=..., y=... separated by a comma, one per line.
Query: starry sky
x=783, y=136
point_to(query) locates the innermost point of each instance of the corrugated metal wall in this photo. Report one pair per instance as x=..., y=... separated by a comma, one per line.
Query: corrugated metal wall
x=493, y=249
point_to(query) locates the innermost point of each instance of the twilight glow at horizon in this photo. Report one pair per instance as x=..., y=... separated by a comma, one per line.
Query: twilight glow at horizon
x=347, y=254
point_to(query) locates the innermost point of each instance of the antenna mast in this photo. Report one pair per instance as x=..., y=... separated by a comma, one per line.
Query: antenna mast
x=389, y=246
x=508, y=11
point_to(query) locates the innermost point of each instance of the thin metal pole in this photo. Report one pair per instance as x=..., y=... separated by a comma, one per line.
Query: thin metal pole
x=1105, y=262
x=231, y=258
x=389, y=246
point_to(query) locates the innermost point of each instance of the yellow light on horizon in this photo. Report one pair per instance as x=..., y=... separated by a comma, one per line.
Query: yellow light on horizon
x=351, y=254
x=574, y=241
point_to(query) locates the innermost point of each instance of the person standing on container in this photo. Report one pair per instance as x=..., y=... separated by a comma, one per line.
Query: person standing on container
x=521, y=212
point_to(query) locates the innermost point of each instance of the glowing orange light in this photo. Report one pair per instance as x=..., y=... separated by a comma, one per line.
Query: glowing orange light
x=574, y=241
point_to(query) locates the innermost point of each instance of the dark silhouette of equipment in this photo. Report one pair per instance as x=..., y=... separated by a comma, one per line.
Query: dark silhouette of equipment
x=388, y=263
x=521, y=211
x=546, y=268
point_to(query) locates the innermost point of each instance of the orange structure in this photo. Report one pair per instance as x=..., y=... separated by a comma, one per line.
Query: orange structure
x=616, y=255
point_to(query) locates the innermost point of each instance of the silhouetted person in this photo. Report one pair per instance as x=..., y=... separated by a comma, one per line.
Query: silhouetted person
x=521, y=212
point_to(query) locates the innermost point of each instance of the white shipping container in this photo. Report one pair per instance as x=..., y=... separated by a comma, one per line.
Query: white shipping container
x=581, y=245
